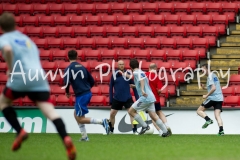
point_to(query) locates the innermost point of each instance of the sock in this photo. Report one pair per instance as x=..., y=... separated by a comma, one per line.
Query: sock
x=220, y=128
x=160, y=132
x=111, y=128
x=207, y=118
x=83, y=130
x=134, y=128
x=60, y=127
x=11, y=116
x=96, y=121
x=161, y=126
x=139, y=119
x=166, y=124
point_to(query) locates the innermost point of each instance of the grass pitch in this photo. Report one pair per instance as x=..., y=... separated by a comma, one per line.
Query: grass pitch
x=125, y=147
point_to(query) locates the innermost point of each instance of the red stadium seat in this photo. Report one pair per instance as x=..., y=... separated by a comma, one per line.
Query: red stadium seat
x=174, y=55
x=178, y=31
x=86, y=65
x=210, y=30
x=104, y=89
x=229, y=91
x=96, y=91
x=124, y=54
x=59, y=55
x=130, y=31
x=49, y=66
x=87, y=8
x=61, y=20
x=65, y=31
x=93, y=20
x=142, y=54
x=58, y=80
x=46, y=20
x=191, y=63
x=162, y=31
x=50, y=31
x=21, y=29
x=135, y=42
x=87, y=42
x=184, y=42
x=234, y=80
x=182, y=7
x=98, y=31
x=114, y=31
x=152, y=42
x=71, y=8
x=57, y=90
x=34, y=31
x=197, y=7
x=56, y=8
x=190, y=54
x=150, y=7
x=25, y=8
x=119, y=7
x=168, y=43
x=93, y=55
x=188, y=19
x=81, y=31
x=156, y=19
x=30, y=20
x=220, y=19
x=71, y=43
x=204, y=19
x=140, y=19
x=146, y=31
x=108, y=19
x=158, y=54
x=18, y=20
x=3, y=67
x=43, y=8
x=46, y=55
x=194, y=31
x=12, y=8
x=124, y=19
x=134, y=7
x=172, y=19
x=109, y=54
x=200, y=42
x=119, y=42
x=55, y=42
x=3, y=78
x=165, y=65
x=214, y=7
x=231, y=101
x=166, y=7
x=77, y=20
x=98, y=101
x=63, y=65
x=103, y=42
x=170, y=90
x=41, y=43
x=236, y=90
x=103, y=8
x=145, y=66
x=229, y=7
x=62, y=100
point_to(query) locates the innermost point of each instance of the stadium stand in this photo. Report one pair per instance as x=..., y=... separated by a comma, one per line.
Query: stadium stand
x=173, y=34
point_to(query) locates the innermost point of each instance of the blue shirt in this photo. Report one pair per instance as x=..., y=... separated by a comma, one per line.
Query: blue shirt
x=217, y=94
x=80, y=79
x=25, y=60
x=138, y=76
x=121, y=89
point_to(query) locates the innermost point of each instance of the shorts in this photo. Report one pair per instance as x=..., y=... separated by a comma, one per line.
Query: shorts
x=42, y=96
x=141, y=106
x=82, y=103
x=215, y=104
x=118, y=105
x=158, y=107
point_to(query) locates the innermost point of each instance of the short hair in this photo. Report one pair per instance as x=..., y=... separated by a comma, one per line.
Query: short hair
x=134, y=63
x=7, y=22
x=72, y=55
x=152, y=66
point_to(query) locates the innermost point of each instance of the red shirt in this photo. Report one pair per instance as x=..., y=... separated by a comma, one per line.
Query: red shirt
x=155, y=84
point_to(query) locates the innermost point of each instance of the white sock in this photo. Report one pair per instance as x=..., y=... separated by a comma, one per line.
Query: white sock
x=166, y=124
x=139, y=119
x=96, y=121
x=83, y=130
x=160, y=132
x=161, y=125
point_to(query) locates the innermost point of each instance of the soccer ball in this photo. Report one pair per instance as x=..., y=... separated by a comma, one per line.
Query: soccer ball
x=150, y=131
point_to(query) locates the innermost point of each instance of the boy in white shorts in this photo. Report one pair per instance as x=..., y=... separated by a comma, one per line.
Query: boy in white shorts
x=146, y=100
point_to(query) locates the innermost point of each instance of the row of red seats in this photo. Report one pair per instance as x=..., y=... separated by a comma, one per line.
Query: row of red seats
x=55, y=20
x=160, y=42
x=62, y=100
x=231, y=101
x=233, y=90
x=125, y=8
x=101, y=55
x=136, y=31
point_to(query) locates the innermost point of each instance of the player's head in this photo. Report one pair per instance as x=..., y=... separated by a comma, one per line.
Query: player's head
x=72, y=55
x=121, y=65
x=205, y=68
x=134, y=64
x=152, y=66
x=7, y=22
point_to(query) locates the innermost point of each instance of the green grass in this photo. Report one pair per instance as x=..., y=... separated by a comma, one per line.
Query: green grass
x=125, y=147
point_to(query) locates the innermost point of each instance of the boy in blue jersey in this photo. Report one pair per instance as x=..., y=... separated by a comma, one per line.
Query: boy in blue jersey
x=22, y=55
x=82, y=82
x=214, y=98
x=146, y=100
x=121, y=96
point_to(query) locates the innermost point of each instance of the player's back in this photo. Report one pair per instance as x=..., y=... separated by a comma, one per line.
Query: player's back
x=25, y=59
x=217, y=94
x=140, y=75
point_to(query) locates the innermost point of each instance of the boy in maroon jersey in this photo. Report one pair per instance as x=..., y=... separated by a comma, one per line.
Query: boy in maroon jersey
x=156, y=85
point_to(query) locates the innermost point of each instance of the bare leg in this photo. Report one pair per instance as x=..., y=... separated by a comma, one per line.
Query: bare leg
x=217, y=113
x=113, y=114
x=200, y=112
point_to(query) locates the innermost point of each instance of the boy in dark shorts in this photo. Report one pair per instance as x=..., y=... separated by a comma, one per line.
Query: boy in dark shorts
x=214, y=98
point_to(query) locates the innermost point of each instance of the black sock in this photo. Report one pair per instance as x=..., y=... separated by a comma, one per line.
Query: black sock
x=60, y=127
x=207, y=118
x=110, y=125
x=220, y=128
x=134, y=128
x=11, y=116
